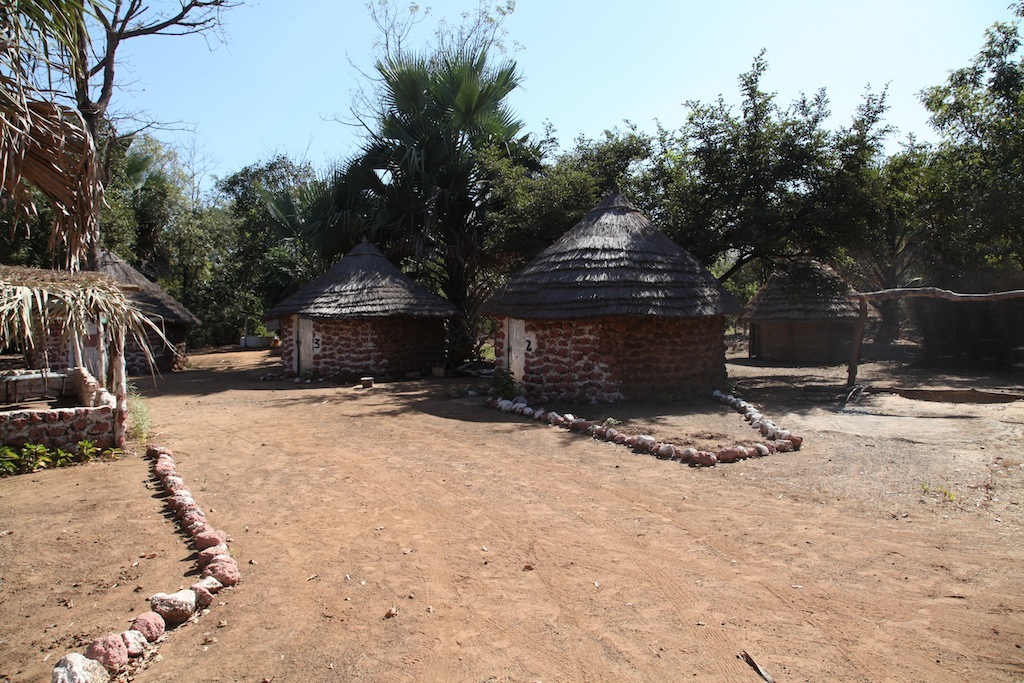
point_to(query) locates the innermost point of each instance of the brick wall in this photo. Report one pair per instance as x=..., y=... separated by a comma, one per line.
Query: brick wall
x=377, y=346
x=165, y=358
x=614, y=358
x=94, y=420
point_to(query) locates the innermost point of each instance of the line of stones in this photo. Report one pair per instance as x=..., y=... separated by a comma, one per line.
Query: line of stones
x=110, y=654
x=776, y=439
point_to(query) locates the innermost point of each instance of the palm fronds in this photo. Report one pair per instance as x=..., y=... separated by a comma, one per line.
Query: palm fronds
x=36, y=302
x=41, y=142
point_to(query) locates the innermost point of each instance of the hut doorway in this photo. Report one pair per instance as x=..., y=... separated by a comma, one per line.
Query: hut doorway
x=516, y=346
x=305, y=343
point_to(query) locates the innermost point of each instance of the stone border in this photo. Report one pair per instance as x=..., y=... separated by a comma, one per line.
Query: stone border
x=776, y=440
x=111, y=654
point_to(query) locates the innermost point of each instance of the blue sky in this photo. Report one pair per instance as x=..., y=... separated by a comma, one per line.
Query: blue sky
x=285, y=70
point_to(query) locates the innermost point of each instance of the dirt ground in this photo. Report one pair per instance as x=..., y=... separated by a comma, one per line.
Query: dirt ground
x=890, y=548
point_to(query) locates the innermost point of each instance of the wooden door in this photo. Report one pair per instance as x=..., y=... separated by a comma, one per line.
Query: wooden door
x=305, y=342
x=516, y=347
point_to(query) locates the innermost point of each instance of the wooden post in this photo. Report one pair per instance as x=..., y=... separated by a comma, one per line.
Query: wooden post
x=119, y=384
x=858, y=338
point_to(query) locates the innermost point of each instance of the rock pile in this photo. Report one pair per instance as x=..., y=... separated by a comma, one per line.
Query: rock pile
x=110, y=654
x=775, y=439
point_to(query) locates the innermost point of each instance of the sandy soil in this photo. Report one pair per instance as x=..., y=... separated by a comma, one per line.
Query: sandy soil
x=888, y=549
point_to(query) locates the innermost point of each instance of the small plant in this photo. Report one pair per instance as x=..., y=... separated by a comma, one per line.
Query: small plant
x=10, y=461
x=139, y=421
x=32, y=457
x=62, y=458
x=504, y=385
x=87, y=450
x=35, y=457
x=940, y=491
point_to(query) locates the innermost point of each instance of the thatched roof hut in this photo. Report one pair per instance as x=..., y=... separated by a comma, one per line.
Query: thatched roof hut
x=152, y=299
x=363, y=316
x=613, y=309
x=803, y=314
x=173, y=319
x=614, y=262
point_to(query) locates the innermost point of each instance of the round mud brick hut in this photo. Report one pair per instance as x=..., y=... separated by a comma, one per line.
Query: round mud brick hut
x=613, y=310
x=362, y=317
x=802, y=315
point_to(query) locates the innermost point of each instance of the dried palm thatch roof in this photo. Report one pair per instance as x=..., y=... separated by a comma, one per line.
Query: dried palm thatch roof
x=48, y=146
x=34, y=302
x=150, y=297
x=612, y=263
x=806, y=290
x=364, y=284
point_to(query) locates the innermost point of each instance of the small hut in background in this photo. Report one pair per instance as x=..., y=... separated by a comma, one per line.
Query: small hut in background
x=362, y=317
x=166, y=313
x=802, y=315
x=614, y=309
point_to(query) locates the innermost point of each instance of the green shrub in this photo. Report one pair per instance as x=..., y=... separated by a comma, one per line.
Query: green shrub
x=33, y=457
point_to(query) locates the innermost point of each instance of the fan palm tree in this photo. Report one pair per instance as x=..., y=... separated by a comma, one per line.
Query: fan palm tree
x=439, y=116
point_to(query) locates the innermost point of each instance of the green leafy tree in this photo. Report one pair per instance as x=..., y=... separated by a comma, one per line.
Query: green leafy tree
x=234, y=262
x=536, y=204
x=979, y=112
x=767, y=183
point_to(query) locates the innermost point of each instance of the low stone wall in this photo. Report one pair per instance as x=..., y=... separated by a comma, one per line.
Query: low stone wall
x=614, y=358
x=94, y=420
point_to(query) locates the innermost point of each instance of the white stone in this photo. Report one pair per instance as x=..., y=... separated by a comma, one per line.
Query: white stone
x=77, y=668
x=175, y=608
x=135, y=642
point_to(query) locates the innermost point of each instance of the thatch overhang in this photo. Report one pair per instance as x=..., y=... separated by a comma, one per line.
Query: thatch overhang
x=363, y=284
x=49, y=146
x=614, y=262
x=807, y=290
x=150, y=297
x=34, y=301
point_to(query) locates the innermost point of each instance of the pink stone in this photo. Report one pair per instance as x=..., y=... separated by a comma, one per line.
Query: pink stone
x=110, y=651
x=164, y=469
x=208, y=554
x=796, y=440
x=193, y=516
x=225, y=570
x=206, y=539
x=783, y=446
x=730, y=454
x=179, y=500
x=704, y=459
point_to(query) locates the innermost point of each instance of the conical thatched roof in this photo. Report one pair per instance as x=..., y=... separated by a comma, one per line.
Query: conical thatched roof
x=807, y=290
x=613, y=262
x=364, y=284
x=150, y=297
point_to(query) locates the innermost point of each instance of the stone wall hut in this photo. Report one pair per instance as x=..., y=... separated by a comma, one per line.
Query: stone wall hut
x=614, y=309
x=802, y=315
x=362, y=317
x=173, y=319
